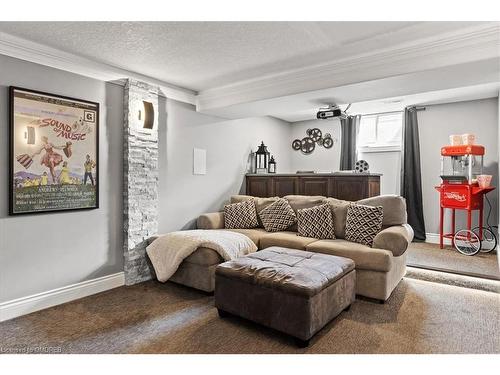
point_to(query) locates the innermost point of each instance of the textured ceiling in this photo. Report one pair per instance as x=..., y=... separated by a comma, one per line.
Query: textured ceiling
x=203, y=55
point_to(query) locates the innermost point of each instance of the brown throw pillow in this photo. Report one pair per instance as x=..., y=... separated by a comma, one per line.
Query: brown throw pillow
x=299, y=202
x=260, y=203
x=316, y=222
x=277, y=216
x=240, y=215
x=363, y=223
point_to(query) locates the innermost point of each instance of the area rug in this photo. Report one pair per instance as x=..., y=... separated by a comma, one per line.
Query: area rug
x=426, y=255
x=420, y=317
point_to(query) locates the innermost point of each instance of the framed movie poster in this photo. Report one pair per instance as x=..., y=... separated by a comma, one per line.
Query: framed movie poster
x=54, y=158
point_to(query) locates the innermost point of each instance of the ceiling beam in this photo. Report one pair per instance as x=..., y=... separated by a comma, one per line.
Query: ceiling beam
x=459, y=47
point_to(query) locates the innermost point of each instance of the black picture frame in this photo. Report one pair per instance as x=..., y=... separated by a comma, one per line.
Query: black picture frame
x=12, y=91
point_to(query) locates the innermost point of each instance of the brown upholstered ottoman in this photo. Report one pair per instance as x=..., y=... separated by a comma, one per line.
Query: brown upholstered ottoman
x=293, y=291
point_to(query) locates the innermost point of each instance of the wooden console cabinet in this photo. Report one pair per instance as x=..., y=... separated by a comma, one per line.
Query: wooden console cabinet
x=347, y=186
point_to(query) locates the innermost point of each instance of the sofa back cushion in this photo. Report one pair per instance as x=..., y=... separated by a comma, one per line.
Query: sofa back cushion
x=339, y=210
x=299, y=202
x=394, y=208
x=316, y=222
x=240, y=215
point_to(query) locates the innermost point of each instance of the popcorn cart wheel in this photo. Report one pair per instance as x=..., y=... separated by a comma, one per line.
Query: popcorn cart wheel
x=489, y=240
x=467, y=242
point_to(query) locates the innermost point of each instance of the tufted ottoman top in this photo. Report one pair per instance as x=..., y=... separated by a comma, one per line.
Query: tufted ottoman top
x=288, y=270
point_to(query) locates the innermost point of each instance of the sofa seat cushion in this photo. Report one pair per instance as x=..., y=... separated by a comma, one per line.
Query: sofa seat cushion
x=204, y=256
x=363, y=256
x=285, y=239
x=287, y=270
x=254, y=234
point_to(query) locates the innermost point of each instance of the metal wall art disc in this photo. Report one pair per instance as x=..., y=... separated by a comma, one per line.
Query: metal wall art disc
x=307, y=145
x=361, y=166
x=315, y=134
x=327, y=142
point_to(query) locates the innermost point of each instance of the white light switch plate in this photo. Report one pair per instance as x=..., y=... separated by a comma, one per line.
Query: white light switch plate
x=199, y=161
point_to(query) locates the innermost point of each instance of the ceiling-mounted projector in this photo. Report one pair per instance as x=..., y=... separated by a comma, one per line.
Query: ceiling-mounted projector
x=332, y=111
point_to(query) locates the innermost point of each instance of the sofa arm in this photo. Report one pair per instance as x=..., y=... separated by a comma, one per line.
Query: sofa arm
x=214, y=220
x=395, y=238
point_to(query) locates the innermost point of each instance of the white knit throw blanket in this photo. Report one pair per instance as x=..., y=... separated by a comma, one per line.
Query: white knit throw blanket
x=168, y=251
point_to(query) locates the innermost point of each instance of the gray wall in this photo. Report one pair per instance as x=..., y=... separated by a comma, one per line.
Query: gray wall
x=184, y=196
x=46, y=251
x=436, y=123
x=321, y=159
x=328, y=160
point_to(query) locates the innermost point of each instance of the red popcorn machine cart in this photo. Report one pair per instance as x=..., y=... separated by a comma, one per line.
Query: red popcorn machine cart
x=461, y=167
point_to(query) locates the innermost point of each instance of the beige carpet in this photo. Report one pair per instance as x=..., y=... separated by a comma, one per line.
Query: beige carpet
x=420, y=317
x=431, y=256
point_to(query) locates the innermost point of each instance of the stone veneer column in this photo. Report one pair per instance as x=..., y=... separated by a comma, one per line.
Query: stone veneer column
x=140, y=188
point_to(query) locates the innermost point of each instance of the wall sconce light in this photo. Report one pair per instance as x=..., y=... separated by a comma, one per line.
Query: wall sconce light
x=147, y=115
x=29, y=135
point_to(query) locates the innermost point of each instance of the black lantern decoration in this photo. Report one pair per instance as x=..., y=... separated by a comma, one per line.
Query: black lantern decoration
x=272, y=165
x=262, y=159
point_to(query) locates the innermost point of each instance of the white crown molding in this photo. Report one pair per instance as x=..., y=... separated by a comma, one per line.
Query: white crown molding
x=26, y=305
x=466, y=45
x=41, y=54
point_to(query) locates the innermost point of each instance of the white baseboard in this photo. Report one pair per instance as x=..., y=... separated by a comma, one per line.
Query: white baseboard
x=25, y=305
x=434, y=238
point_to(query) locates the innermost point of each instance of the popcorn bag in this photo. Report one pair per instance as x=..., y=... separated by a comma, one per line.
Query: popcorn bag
x=468, y=139
x=484, y=180
x=455, y=140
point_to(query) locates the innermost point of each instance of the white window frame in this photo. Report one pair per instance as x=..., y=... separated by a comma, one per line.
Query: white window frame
x=380, y=148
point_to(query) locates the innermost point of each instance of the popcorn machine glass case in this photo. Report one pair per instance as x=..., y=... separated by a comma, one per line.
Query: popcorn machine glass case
x=460, y=166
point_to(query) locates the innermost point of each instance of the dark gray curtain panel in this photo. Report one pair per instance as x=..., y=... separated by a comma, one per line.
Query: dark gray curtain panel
x=411, y=180
x=349, y=131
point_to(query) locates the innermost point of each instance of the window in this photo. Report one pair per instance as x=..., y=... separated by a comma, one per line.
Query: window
x=380, y=132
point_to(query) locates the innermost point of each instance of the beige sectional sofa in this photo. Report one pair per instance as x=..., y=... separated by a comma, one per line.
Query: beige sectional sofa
x=378, y=269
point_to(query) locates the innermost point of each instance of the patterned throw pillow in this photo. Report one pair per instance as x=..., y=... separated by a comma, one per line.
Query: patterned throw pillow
x=316, y=222
x=240, y=215
x=363, y=223
x=277, y=216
